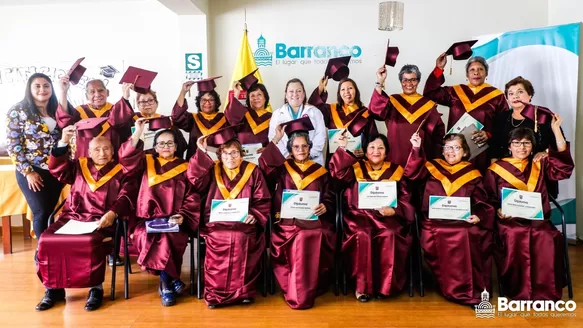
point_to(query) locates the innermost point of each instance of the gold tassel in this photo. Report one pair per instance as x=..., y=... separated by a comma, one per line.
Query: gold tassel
x=535, y=119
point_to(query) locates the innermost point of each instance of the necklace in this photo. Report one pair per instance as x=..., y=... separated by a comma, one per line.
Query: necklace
x=512, y=122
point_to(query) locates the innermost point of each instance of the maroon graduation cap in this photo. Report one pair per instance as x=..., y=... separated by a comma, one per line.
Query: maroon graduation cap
x=301, y=124
x=161, y=122
x=90, y=127
x=359, y=122
x=76, y=71
x=248, y=81
x=207, y=85
x=142, y=79
x=539, y=114
x=337, y=68
x=461, y=50
x=391, y=55
x=222, y=136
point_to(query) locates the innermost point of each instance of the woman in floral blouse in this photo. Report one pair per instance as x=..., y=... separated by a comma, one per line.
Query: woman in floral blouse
x=32, y=132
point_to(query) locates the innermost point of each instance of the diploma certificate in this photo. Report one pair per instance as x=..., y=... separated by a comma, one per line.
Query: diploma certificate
x=522, y=204
x=374, y=195
x=450, y=208
x=159, y=225
x=354, y=143
x=463, y=122
x=250, y=152
x=299, y=204
x=233, y=210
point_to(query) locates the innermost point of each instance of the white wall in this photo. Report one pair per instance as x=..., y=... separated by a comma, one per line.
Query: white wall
x=564, y=12
x=430, y=27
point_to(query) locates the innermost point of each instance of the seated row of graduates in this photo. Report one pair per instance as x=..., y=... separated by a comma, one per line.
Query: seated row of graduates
x=375, y=243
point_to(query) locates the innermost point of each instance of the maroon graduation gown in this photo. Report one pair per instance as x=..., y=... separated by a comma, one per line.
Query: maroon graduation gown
x=233, y=249
x=530, y=259
x=164, y=191
x=458, y=253
x=196, y=124
x=374, y=246
x=254, y=126
x=302, y=251
x=483, y=106
x=403, y=119
x=181, y=143
x=338, y=118
x=79, y=261
x=117, y=128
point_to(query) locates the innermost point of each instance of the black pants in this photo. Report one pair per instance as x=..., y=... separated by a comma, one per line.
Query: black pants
x=43, y=202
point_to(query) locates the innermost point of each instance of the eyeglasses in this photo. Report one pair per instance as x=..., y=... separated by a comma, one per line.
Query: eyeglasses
x=521, y=143
x=300, y=147
x=452, y=148
x=207, y=101
x=233, y=154
x=412, y=81
x=146, y=102
x=168, y=144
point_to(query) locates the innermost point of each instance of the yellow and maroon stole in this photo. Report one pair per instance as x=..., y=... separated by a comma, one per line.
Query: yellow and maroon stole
x=87, y=111
x=521, y=174
x=341, y=118
x=452, y=177
x=255, y=122
x=91, y=174
x=363, y=171
x=411, y=107
x=233, y=193
x=303, y=174
x=209, y=123
x=160, y=170
x=473, y=98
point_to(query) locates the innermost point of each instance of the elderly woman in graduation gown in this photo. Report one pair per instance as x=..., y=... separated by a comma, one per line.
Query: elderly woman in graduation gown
x=148, y=106
x=530, y=259
x=99, y=193
x=478, y=99
x=459, y=252
x=119, y=115
x=206, y=120
x=296, y=107
x=253, y=118
x=234, y=248
x=376, y=242
x=165, y=192
x=302, y=249
x=407, y=113
x=348, y=104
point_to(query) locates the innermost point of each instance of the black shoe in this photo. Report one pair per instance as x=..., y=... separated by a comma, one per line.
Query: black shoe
x=118, y=261
x=51, y=297
x=167, y=295
x=177, y=286
x=212, y=306
x=364, y=298
x=94, y=299
x=248, y=300
x=381, y=296
x=36, y=256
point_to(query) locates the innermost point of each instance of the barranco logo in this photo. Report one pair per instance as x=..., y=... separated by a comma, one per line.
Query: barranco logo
x=523, y=308
x=303, y=54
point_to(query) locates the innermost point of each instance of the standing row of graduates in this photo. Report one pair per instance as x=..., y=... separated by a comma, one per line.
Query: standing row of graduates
x=126, y=180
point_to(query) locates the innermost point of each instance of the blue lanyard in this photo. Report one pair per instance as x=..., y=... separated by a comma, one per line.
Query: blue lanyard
x=291, y=112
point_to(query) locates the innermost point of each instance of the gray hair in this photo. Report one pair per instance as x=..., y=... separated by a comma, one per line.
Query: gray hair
x=477, y=59
x=408, y=69
x=295, y=135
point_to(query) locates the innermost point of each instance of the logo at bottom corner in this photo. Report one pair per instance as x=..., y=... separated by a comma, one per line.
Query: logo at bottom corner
x=485, y=310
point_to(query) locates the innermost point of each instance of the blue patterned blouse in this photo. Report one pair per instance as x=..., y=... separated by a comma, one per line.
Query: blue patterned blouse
x=29, y=140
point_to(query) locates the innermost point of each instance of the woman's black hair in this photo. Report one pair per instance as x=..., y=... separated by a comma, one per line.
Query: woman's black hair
x=374, y=137
x=28, y=101
x=255, y=87
x=522, y=133
x=214, y=94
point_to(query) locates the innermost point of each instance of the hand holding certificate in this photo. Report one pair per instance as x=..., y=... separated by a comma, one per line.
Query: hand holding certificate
x=300, y=204
x=353, y=143
x=232, y=210
x=160, y=225
x=374, y=195
x=522, y=204
x=450, y=208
